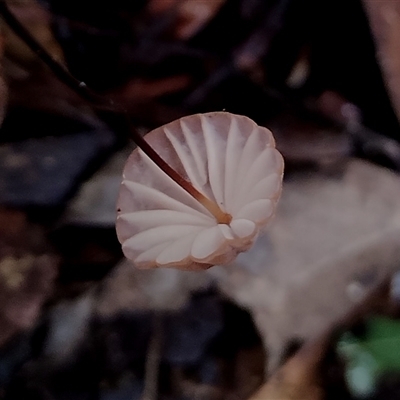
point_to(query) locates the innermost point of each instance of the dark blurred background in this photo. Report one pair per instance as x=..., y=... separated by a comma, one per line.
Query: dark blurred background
x=76, y=320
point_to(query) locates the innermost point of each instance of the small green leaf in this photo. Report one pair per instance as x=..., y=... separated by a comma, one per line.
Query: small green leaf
x=367, y=358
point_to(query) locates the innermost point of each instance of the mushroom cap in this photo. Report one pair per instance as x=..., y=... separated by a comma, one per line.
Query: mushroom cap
x=226, y=157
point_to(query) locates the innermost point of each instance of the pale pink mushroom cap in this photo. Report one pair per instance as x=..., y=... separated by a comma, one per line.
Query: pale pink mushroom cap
x=226, y=157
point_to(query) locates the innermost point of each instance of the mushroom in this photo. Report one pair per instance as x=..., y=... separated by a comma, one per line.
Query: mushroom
x=214, y=183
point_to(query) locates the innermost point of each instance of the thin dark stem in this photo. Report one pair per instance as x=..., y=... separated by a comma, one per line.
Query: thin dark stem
x=57, y=68
x=82, y=90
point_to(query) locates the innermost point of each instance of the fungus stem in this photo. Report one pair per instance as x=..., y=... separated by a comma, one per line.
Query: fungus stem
x=211, y=206
x=79, y=87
